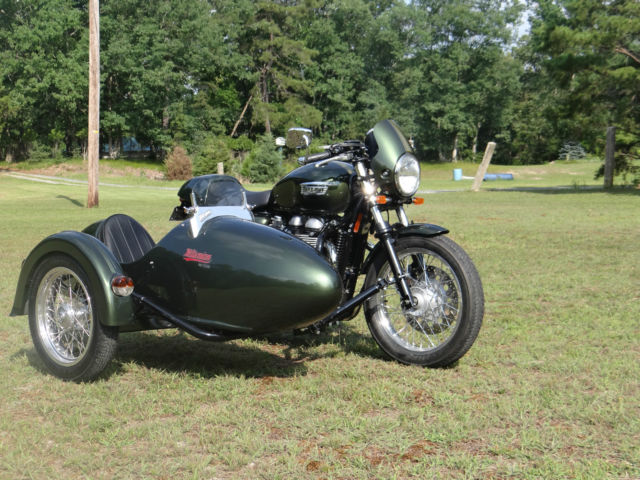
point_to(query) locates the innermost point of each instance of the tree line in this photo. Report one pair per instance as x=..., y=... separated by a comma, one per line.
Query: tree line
x=210, y=75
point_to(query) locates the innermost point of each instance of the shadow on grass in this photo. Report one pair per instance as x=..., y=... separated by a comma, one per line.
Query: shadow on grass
x=75, y=202
x=177, y=352
x=282, y=355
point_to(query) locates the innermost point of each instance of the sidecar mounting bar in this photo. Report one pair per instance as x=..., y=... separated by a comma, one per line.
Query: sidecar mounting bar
x=346, y=307
x=178, y=322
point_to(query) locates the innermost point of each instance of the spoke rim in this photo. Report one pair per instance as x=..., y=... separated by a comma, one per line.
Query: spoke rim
x=64, y=316
x=437, y=289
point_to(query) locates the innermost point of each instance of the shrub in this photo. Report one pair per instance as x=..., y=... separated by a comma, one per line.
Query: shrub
x=572, y=151
x=264, y=163
x=240, y=144
x=39, y=152
x=178, y=164
x=214, y=150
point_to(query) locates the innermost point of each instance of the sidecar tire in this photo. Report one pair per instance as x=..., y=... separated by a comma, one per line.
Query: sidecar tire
x=447, y=320
x=64, y=323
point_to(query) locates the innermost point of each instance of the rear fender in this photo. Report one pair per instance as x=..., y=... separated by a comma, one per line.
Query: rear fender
x=96, y=260
x=413, y=230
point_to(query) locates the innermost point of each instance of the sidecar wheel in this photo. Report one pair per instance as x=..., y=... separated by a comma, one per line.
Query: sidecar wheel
x=447, y=318
x=64, y=324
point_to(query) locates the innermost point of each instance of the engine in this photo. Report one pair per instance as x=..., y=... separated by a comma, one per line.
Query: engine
x=306, y=229
x=319, y=233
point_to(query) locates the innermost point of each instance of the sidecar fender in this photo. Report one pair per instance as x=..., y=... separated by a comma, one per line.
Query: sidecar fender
x=413, y=230
x=96, y=260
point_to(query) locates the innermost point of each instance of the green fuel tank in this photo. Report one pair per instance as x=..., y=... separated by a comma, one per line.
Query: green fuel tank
x=239, y=277
x=319, y=188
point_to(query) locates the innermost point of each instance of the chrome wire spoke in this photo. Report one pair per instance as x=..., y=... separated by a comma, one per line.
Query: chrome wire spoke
x=435, y=287
x=64, y=315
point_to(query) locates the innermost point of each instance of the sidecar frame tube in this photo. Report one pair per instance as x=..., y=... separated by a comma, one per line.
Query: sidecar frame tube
x=182, y=324
x=347, y=307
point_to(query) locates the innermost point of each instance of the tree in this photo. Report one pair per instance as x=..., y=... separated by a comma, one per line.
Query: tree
x=43, y=76
x=458, y=74
x=157, y=56
x=592, y=51
x=279, y=61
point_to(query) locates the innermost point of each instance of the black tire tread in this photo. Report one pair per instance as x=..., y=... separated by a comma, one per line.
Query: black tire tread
x=104, y=343
x=464, y=337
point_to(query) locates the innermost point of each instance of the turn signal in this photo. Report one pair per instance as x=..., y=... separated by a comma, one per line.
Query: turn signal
x=381, y=199
x=122, y=286
x=418, y=201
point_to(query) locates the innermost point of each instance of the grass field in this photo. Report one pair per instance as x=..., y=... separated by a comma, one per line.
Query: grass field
x=549, y=390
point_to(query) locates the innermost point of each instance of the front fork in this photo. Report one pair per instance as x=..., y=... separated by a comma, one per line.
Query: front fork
x=383, y=232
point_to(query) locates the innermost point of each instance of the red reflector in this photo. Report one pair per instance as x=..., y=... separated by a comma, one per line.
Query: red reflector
x=418, y=201
x=381, y=199
x=122, y=285
x=356, y=227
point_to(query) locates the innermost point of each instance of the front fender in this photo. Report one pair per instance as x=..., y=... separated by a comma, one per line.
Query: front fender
x=96, y=260
x=413, y=230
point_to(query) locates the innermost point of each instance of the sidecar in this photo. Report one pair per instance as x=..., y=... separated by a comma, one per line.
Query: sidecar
x=217, y=274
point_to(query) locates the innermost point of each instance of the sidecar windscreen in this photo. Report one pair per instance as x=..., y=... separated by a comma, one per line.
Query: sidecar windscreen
x=213, y=191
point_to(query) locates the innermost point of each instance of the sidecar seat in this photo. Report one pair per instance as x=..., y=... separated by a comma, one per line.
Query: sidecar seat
x=125, y=237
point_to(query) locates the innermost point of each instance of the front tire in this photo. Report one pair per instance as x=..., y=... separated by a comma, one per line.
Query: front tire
x=443, y=325
x=64, y=323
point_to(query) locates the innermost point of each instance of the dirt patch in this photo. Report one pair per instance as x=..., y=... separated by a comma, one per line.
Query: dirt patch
x=63, y=169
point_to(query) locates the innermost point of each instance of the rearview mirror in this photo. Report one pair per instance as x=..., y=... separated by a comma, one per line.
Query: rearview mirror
x=299, y=137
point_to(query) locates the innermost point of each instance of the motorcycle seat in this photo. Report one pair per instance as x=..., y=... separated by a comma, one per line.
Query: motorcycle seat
x=125, y=237
x=257, y=200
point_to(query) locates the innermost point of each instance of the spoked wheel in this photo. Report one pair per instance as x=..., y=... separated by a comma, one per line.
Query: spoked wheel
x=63, y=321
x=446, y=318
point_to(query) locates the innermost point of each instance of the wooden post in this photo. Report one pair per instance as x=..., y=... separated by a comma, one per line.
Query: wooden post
x=609, y=157
x=220, y=168
x=482, y=169
x=93, y=149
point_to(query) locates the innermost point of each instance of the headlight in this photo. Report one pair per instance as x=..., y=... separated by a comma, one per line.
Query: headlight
x=407, y=175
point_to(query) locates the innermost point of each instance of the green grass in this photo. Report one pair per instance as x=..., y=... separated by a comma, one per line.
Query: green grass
x=549, y=390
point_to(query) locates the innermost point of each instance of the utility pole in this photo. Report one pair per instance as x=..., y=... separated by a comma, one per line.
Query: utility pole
x=93, y=147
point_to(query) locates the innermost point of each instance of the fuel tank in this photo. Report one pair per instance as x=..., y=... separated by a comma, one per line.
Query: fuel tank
x=238, y=276
x=314, y=188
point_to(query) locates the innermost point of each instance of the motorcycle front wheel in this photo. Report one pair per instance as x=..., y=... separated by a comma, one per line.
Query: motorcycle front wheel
x=449, y=303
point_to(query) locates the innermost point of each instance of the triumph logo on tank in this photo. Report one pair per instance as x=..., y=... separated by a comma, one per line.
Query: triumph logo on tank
x=192, y=255
x=316, y=188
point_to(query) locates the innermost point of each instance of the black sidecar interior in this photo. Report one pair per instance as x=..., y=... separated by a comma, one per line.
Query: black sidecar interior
x=125, y=237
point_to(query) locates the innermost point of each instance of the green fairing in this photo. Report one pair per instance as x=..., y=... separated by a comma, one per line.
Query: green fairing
x=238, y=276
x=287, y=194
x=96, y=260
x=391, y=145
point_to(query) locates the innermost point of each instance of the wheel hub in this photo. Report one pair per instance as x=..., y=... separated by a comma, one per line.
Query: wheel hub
x=426, y=313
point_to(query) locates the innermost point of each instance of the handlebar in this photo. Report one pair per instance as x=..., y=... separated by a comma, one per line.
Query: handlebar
x=344, y=152
x=314, y=157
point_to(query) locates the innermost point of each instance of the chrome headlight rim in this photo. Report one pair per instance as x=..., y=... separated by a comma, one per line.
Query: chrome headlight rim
x=407, y=175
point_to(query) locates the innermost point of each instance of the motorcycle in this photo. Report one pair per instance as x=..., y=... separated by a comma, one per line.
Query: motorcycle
x=243, y=263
